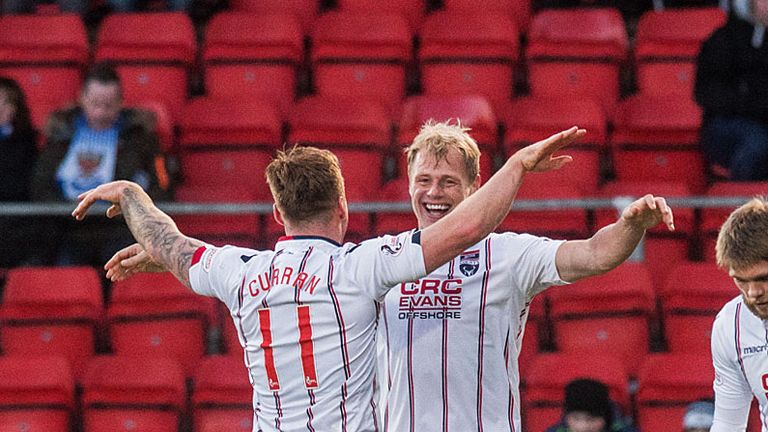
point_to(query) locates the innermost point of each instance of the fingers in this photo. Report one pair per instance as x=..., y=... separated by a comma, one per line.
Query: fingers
x=113, y=211
x=666, y=213
x=560, y=161
x=85, y=201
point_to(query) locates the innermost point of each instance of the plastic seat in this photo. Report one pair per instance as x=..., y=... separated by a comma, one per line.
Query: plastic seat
x=518, y=10
x=693, y=295
x=566, y=223
x=666, y=384
x=549, y=373
x=469, y=53
x=359, y=54
x=606, y=314
x=165, y=126
x=356, y=130
x=412, y=10
x=154, y=315
x=152, y=52
x=656, y=138
x=305, y=11
x=132, y=393
x=228, y=143
x=51, y=311
x=577, y=52
x=46, y=55
x=253, y=55
x=395, y=190
x=474, y=112
x=662, y=249
x=220, y=229
x=36, y=394
x=666, y=47
x=531, y=119
x=222, y=395
x=713, y=217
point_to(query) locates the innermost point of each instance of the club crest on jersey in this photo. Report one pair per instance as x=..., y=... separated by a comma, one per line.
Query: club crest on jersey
x=392, y=246
x=469, y=262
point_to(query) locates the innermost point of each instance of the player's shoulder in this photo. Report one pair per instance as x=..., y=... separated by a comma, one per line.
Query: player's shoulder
x=385, y=245
x=230, y=255
x=724, y=318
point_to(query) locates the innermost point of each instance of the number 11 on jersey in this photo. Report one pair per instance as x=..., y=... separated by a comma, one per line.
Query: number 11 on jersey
x=305, y=342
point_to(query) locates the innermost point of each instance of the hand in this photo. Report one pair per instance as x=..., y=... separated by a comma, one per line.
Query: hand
x=648, y=211
x=538, y=157
x=129, y=261
x=107, y=192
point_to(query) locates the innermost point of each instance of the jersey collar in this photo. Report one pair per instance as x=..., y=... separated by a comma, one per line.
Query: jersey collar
x=307, y=237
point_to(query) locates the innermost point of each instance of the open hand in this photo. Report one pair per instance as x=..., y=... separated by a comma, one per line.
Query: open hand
x=129, y=261
x=538, y=157
x=648, y=211
x=107, y=192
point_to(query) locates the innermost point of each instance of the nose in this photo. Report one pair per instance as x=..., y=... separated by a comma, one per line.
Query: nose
x=434, y=189
x=755, y=290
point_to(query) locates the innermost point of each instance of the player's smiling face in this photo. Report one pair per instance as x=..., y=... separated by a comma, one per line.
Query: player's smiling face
x=753, y=283
x=437, y=187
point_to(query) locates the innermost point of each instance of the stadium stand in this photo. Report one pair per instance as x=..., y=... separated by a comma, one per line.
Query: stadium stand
x=36, y=394
x=535, y=332
x=46, y=55
x=413, y=11
x=52, y=311
x=713, y=217
x=304, y=10
x=518, y=10
x=221, y=396
x=396, y=190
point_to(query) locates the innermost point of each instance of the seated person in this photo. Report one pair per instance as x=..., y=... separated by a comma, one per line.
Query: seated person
x=587, y=408
x=698, y=416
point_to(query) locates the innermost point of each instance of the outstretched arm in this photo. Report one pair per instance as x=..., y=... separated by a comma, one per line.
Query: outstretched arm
x=154, y=230
x=482, y=211
x=612, y=244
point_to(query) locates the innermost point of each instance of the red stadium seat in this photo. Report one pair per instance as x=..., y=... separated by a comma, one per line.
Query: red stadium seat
x=253, y=55
x=165, y=126
x=531, y=119
x=518, y=10
x=396, y=222
x=132, y=393
x=657, y=139
x=662, y=249
x=566, y=223
x=666, y=384
x=46, y=56
x=154, y=315
x=36, y=394
x=229, y=335
x=220, y=229
x=473, y=112
x=666, y=47
x=153, y=53
x=713, y=217
x=606, y=314
x=222, y=395
x=549, y=373
x=693, y=295
x=411, y=10
x=469, y=53
x=304, y=10
x=361, y=54
x=228, y=143
x=51, y=311
x=356, y=130
x=577, y=52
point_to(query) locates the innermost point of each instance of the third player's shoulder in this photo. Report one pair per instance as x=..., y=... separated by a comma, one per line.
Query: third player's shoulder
x=230, y=256
x=725, y=319
x=385, y=245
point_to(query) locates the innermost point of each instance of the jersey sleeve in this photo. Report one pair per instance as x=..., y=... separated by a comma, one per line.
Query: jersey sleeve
x=376, y=265
x=732, y=393
x=531, y=260
x=218, y=272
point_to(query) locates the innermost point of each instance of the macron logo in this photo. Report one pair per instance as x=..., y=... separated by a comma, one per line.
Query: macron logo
x=754, y=349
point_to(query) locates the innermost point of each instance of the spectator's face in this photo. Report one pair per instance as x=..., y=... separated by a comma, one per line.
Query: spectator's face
x=436, y=188
x=101, y=103
x=7, y=108
x=760, y=11
x=579, y=421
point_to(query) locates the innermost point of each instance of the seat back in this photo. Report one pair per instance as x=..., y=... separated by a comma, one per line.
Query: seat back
x=305, y=11
x=566, y=223
x=412, y=10
x=395, y=190
x=222, y=395
x=518, y=10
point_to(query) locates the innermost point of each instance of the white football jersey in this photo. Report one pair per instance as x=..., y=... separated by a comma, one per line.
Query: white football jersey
x=448, y=343
x=740, y=358
x=306, y=315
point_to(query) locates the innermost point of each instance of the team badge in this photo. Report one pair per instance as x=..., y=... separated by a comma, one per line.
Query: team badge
x=392, y=246
x=469, y=262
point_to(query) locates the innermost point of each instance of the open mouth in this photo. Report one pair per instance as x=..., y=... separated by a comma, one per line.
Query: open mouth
x=437, y=210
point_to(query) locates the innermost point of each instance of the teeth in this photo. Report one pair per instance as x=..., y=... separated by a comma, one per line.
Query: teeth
x=437, y=207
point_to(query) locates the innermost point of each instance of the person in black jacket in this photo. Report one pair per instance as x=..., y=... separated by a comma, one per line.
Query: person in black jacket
x=732, y=88
x=18, y=152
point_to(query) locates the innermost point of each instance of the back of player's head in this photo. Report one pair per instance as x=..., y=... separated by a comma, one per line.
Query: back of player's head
x=439, y=138
x=306, y=183
x=743, y=238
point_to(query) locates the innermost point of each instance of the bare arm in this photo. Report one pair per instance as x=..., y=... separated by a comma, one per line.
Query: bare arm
x=482, y=211
x=154, y=230
x=614, y=243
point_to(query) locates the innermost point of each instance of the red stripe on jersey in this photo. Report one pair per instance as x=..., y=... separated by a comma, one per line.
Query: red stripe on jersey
x=266, y=344
x=197, y=255
x=737, y=326
x=307, y=348
x=480, y=347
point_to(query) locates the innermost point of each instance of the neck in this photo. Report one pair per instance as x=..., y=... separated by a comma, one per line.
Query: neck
x=328, y=231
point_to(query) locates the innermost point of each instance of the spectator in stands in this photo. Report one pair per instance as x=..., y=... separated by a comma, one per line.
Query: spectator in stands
x=587, y=408
x=18, y=152
x=698, y=416
x=732, y=88
x=133, y=5
x=97, y=142
x=30, y=6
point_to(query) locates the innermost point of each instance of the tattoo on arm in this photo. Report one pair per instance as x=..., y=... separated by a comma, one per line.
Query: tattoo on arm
x=157, y=234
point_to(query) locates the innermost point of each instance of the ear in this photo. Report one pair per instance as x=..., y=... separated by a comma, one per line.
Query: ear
x=276, y=214
x=476, y=184
x=341, y=207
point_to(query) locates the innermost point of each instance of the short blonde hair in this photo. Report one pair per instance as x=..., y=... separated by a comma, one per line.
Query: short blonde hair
x=305, y=182
x=743, y=239
x=439, y=138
